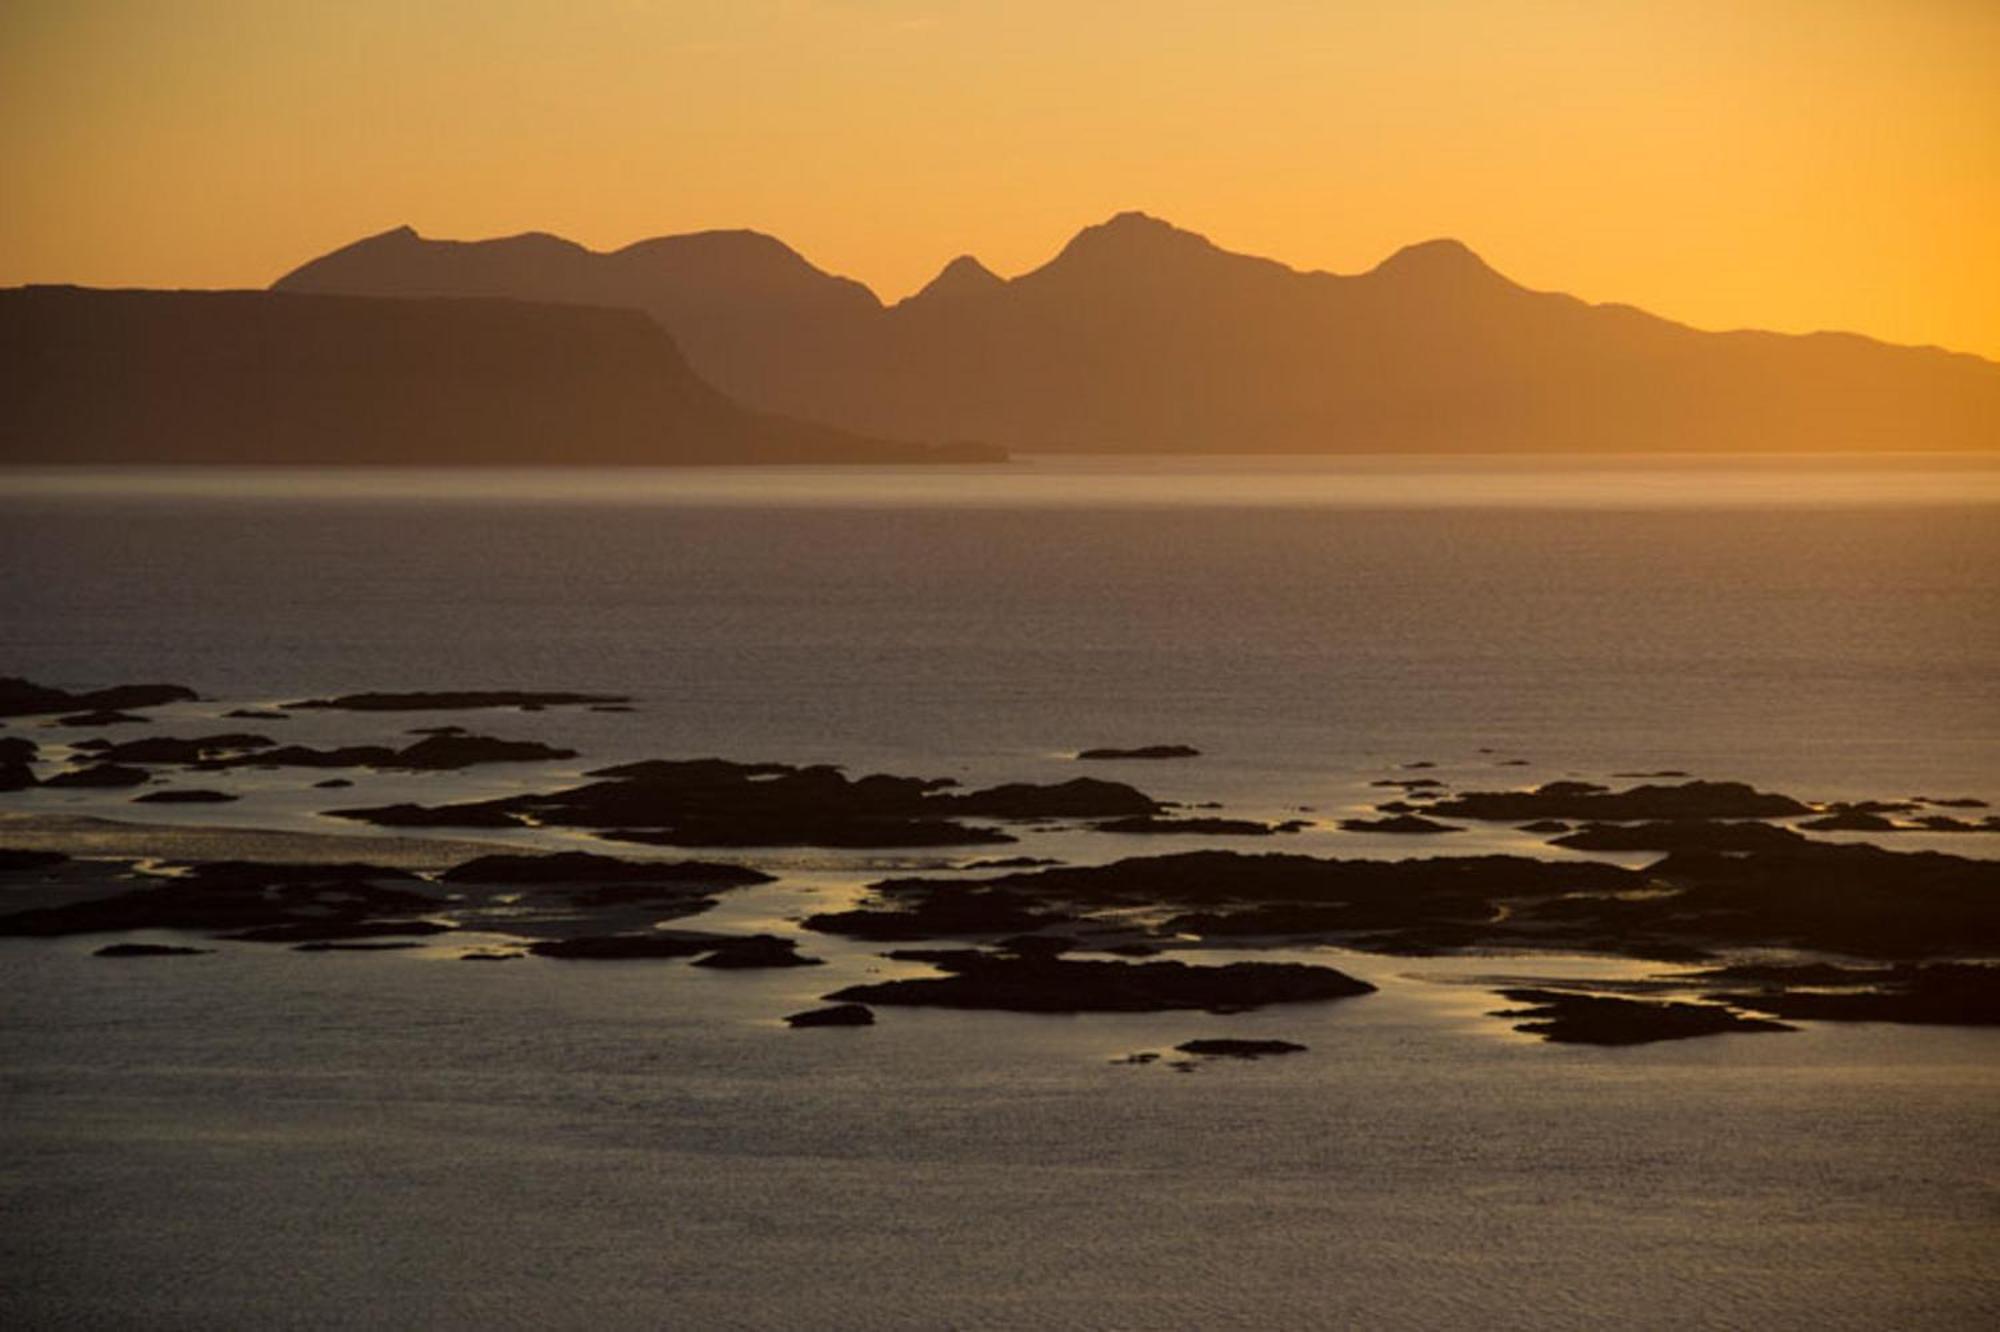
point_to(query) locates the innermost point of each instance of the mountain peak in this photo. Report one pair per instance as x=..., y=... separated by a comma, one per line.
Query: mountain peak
x=1133, y=232
x=963, y=276
x=1443, y=258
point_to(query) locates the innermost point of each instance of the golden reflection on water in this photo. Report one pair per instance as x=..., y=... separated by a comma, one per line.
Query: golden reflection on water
x=1354, y=481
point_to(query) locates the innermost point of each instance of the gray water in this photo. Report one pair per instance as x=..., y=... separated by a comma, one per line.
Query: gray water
x=264, y=1138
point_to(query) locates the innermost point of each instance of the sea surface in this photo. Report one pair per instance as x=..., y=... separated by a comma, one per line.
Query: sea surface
x=266, y=1138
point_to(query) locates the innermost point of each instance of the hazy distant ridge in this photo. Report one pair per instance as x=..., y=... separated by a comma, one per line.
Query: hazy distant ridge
x=278, y=377
x=1141, y=336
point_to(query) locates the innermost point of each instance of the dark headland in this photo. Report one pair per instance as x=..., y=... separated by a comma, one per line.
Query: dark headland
x=90, y=376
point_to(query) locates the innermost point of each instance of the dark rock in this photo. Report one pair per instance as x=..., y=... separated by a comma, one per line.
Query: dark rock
x=1585, y=800
x=19, y=749
x=1942, y=993
x=1682, y=835
x=234, y=895
x=451, y=700
x=968, y=910
x=99, y=775
x=1589, y=1019
x=1011, y=862
x=148, y=950
x=366, y=946
x=1953, y=802
x=491, y=957
x=101, y=717
x=1143, y=752
x=1078, y=798
x=304, y=756
x=1401, y=823
x=1946, y=823
x=582, y=867
x=186, y=796
x=839, y=1015
x=612, y=707
x=447, y=752
x=13, y=860
x=256, y=714
x=1038, y=945
x=333, y=783
x=756, y=951
x=167, y=749
x=1545, y=826
x=1642, y=776
x=806, y=829
x=436, y=730
x=1410, y=783
x=1060, y=985
x=480, y=814
x=24, y=698
x=1230, y=1048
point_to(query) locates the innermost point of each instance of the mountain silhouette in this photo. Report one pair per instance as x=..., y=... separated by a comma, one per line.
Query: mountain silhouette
x=275, y=377
x=1139, y=335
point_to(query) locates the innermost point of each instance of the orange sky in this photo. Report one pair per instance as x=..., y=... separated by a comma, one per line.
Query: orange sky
x=1789, y=164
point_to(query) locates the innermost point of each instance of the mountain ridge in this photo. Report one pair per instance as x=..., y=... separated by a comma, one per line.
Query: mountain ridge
x=1138, y=335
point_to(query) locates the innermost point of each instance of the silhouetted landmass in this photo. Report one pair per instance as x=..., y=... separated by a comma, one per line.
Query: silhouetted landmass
x=1141, y=336
x=1592, y=1019
x=1143, y=752
x=99, y=775
x=149, y=950
x=1058, y=985
x=89, y=376
x=434, y=753
x=185, y=796
x=15, y=860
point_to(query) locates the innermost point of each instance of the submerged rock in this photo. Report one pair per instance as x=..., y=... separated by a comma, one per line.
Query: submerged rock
x=185, y=796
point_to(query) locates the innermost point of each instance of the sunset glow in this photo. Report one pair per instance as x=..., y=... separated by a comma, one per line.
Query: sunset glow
x=1789, y=164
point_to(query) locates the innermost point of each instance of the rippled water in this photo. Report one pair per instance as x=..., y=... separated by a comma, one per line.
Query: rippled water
x=263, y=1137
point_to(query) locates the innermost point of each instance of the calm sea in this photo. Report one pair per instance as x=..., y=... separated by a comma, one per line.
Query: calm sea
x=265, y=1138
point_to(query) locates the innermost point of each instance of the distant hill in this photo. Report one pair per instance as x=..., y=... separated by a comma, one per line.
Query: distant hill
x=273, y=377
x=1142, y=336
